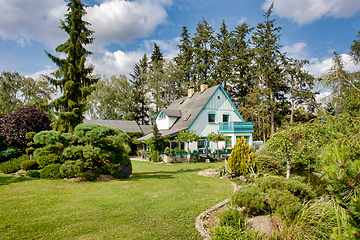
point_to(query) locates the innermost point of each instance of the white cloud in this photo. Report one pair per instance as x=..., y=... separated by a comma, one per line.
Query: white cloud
x=319, y=67
x=47, y=71
x=307, y=11
x=120, y=21
x=296, y=51
x=322, y=97
x=26, y=20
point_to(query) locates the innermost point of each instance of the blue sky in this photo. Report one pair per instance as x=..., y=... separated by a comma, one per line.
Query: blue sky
x=125, y=30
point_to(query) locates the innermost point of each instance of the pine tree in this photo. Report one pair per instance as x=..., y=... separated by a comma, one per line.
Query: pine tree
x=73, y=77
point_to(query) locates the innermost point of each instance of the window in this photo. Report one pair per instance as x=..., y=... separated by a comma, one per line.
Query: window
x=211, y=118
x=201, y=144
x=228, y=143
x=225, y=118
x=162, y=115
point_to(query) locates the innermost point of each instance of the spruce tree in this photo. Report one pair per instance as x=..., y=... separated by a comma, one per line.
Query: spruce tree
x=73, y=77
x=184, y=59
x=242, y=159
x=268, y=61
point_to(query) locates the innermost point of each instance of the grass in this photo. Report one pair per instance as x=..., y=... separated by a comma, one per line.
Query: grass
x=158, y=202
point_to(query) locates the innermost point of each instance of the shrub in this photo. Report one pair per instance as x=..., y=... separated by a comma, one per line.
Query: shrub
x=33, y=173
x=17, y=124
x=13, y=165
x=233, y=218
x=242, y=159
x=9, y=153
x=269, y=164
x=169, y=152
x=51, y=171
x=72, y=168
x=274, y=194
x=155, y=156
x=224, y=233
x=89, y=176
x=119, y=171
x=45, y=160
x=29, y=165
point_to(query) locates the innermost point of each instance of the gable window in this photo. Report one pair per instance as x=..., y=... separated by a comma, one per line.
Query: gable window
x=211, y=118
x=162, y=115
x=225, y=118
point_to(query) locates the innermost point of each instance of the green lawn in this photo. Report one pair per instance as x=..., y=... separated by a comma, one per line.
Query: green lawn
x=158, y=202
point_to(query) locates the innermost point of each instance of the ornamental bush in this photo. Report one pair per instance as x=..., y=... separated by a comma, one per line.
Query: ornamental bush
x=13, y=165
x=100, y=149
x=17, y=124
x=242, y=159
x=51, y=171
x=29, y=165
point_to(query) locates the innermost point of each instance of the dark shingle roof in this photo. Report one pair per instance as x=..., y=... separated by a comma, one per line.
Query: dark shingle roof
x=126, y=126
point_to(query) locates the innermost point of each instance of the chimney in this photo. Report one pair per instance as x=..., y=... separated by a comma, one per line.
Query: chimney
x=191, y=92
x=203, y=87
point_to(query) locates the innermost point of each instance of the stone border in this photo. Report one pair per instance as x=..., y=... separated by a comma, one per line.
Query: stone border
x=199, y=223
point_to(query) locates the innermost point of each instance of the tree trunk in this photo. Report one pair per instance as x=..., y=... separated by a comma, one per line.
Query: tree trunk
x=272, y=112
x=288, y=167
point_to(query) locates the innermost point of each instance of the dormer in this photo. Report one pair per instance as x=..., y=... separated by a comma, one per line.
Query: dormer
x=166, y=118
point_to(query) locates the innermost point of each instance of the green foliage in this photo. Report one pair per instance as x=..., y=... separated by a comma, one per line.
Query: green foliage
x=169, y=152
x=94, y=145
x=155, y=156
x=9, y=153
x=73, y=77
x=33, y=173
x=233, y=218
x=51, y=171
x=269, y=164
x=29, y=165
x=72, y=168
x=17, y=124
x=242, y=159
x=343, y=176
x=273, y=194
x=13, y=165
x=47, y=159
x=224, y=233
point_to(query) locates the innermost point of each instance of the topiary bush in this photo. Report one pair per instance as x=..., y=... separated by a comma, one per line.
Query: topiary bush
x=13, y=165
x=9, y=153
x=33, y=173
x=242, y=159
x=17, y=124
x=99, y=148
x=72, y=168
x=51, y=171
x=48, y=159
x=29, y=165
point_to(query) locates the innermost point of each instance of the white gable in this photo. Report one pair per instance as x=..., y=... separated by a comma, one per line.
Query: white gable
x=219, y=102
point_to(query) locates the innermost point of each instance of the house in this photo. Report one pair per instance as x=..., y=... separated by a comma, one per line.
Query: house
x=209, y=110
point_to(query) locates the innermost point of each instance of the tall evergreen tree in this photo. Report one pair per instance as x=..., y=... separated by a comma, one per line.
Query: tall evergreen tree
x=204, y=55
x=268, y=61
x=156, y=79
x=139, y=80
x=73, y=77
x=223, y=73
x=355, y=49
x=184, y=59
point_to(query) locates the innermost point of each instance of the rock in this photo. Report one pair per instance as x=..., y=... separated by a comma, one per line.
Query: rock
x=264, y=224
x=105, y=177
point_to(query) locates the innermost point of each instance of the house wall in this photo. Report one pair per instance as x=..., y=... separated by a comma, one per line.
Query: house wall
x=165, y=123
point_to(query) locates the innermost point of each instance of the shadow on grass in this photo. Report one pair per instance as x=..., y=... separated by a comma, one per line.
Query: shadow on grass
x=5, y=180
x=161, y=174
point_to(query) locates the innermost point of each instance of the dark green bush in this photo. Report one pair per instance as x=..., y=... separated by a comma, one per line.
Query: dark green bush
x=269, y=164
x=45, y=160
x=72, y=168
x=9, y=153
x=51, y=171
x=119, y=171
x=33, y=173
x=13, y=165
x=29, y=165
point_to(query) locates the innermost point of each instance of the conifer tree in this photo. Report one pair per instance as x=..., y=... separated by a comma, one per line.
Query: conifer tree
x=73, y=77
x=242, y=159
x=184, y=59
x=268, y=61
x=156, y=78
x=139, y=80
